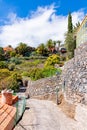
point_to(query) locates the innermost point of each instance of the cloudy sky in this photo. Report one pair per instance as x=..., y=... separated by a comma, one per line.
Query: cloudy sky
x=35, y=21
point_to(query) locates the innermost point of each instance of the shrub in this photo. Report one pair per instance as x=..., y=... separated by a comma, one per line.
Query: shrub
x=36, y=62
x=3, y=64
x=12, y=82
x=49, y=71
x=12, y=53
x=35, y=73
x=52, y=60
x=11, y=67
x=26, y=74
x=58, y=71
x=63, y=58
x=9, y=80
x=15, y=60
x=4, y=73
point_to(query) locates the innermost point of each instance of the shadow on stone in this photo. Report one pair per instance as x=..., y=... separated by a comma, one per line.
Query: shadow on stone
x=27, y=108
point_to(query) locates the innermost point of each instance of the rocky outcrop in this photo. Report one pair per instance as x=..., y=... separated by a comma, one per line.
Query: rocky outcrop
x=74, y=76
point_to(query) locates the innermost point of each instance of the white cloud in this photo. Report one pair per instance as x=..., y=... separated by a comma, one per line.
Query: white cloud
x=42, y=25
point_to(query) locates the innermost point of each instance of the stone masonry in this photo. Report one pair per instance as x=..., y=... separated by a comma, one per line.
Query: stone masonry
x=44, y=87
x=74, y=76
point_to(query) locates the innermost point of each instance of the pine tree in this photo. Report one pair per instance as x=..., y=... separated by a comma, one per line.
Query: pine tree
x=70, y=25
x=70, y=41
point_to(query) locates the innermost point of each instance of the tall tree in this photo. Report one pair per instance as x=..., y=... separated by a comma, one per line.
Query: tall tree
x=58, y=43
x=70, y=41
x=50, y=45
x=54, y=43
x=42, y=49
x=1, y=53
x=70, y=25
x=70, y=45
x=22, y=49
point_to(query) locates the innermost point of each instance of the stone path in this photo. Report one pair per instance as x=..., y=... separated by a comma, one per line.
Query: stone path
x=45, y=115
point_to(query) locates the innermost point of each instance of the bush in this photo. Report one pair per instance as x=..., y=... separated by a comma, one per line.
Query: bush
x=36, y=74
x=9, y=80
x=4, y=73
x=12, y=82
x=26, y=74
x=11, y=67
x=36, y=62
x=52, y=60
x=58, y=71
x=63, y=58
x=15, y=60
x=3, y=64
x=12, y=53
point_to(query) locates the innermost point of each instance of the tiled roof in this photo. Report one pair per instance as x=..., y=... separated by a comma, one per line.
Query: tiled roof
x=8, y=49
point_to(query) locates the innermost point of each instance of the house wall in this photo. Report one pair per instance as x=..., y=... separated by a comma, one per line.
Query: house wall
x=82, y=33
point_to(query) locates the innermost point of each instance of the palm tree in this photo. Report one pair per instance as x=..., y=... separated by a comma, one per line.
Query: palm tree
x=22, y=48
x=54, y=43
x=50, y=45
x=58, y=44
x=41, y=49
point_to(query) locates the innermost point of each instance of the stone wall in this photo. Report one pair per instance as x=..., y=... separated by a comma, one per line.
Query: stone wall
x=44, y=88
x=74, y=76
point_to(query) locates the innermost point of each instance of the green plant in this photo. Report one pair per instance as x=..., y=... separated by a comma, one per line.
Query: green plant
x=12, y=53
x=26, y=74
x=3, y=64
x=52, y=60
x=11, y=66
x=15, y=60
x=4, y=73
x=59, y=70
x=48, y=71
x=12, y=82
x=36, y=62
x=35, y=73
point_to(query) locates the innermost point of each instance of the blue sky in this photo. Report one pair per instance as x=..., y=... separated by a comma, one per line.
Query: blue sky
x=34, y=17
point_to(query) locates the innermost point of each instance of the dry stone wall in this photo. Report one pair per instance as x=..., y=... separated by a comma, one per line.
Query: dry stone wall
x=74, y=76
x=45, y=86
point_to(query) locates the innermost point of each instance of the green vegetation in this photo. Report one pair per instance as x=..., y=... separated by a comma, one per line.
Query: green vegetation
x=12, y=82
x=36, y=63
x=35, y=72
x=15, y=60
x=30, y=62
x=38, y=73
x=49, y=71
x=52, y=60
x=11, y=72
x=70, y=25
x=3, y=64
x=70, y=40
x=9, y=80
